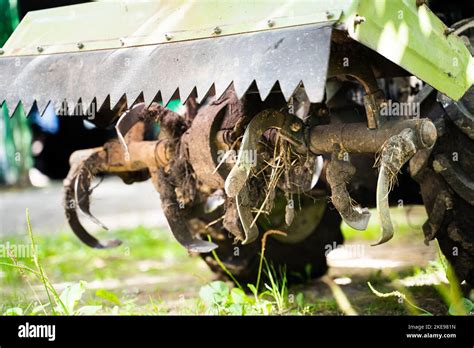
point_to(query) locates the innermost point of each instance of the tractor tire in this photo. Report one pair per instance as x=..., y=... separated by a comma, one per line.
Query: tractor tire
x=447, y=187
x=305, y=259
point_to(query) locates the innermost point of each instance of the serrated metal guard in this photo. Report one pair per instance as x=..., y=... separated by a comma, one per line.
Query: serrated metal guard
x=290, y=56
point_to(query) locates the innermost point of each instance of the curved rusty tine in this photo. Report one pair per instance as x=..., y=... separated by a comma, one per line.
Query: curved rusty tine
x=383, y=208
x=214, y=201
x=339, y=173
x=395, y=153
x=245, y=215
x=175, y=216
x=126, y=122
x=172, y=125
x=79, y=230
x=70, y=202
x=231, y=221
x=92, y=166
x=246, y=158
x=317, y=169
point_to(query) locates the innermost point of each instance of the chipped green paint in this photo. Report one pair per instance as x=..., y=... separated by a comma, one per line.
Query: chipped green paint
x=116, y=24
x=414, y=38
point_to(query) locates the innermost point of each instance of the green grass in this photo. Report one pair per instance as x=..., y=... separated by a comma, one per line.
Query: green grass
x=405, y=220
x=151, y=274
x=67, y=259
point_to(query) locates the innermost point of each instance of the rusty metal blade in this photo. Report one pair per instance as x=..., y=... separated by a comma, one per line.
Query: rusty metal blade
x=289, y=56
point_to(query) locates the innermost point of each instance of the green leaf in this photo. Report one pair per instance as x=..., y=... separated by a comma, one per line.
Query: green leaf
x=13, y=311
x=214, y=293
x=236, y=309
x=71, y=295
x=464, y=308
x=300, y=299
x=108, y=296
x=265, y=307
x=469, y=304
x=265, y=293
x=213, y=310
x=39, y=308
x=253, y=289
x=252, y=310
x=238, y=296
x=88, y=310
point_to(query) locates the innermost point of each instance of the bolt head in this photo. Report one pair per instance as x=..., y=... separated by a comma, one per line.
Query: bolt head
x=271, y=23
x=80, y=45
x=295, y=126
x=323, y=112
x=438, y=168
x=448, y=31
x=40, y=49
x=428, y=133
x=168, y=36
x=217, y=30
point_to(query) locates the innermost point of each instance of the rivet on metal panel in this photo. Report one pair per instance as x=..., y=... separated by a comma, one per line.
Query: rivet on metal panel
x=122, y=41
x=448, y=31
x=271, y=23
x=80, y=45
x=217, y=30
x=168, y=37
x=39, y=49
x=359, y=19
x=329, y=15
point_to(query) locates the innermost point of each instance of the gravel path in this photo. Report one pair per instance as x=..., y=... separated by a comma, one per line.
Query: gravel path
x=117, y=205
